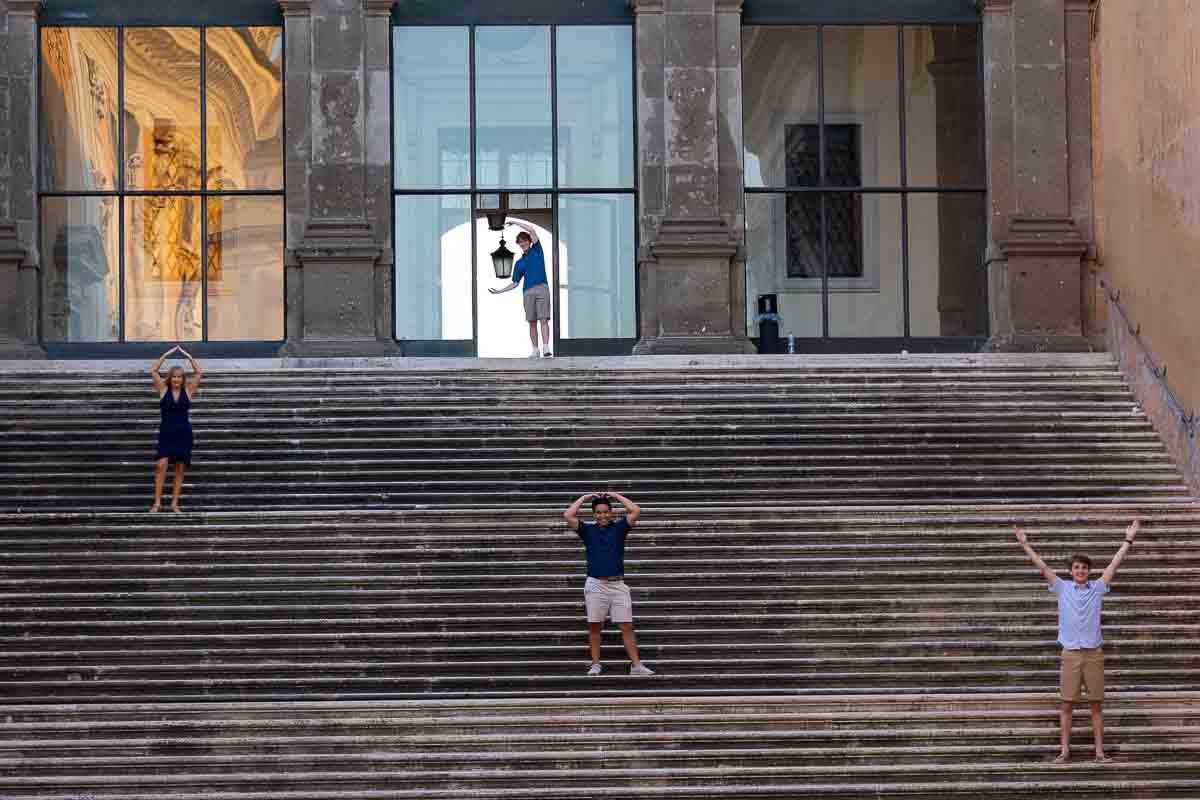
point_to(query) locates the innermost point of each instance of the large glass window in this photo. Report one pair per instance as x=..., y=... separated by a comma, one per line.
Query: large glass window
x=864, y=178
x=542, y=128
x=162, y=183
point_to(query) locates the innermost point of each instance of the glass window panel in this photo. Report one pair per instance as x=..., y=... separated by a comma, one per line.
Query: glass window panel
x=162, y=269
x=596, y=266
x=946, y=270
x=595, y=106
x=433, y=268
x=767, y=265
x=81, y=265
x=780, y=89
x=944, y=106
x=870, y=304
x=162, y=108
x=431, y=96
x=512, y=106
x=79, y=109
x=245, y=268
x=243, y=84
x=862, y=88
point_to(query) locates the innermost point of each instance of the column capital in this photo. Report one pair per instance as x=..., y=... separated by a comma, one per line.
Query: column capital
x=295, y=8
x=378, y=8
x=646, y=6
x=25, y=7
x=994, y=6
x=1080, y=6
x=730, y=6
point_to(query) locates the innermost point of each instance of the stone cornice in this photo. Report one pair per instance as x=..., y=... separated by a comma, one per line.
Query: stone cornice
x=646, y=6
x=25, y=7
x=378, y=8
x=729, y=6
x=994, y=6
x=295, y=8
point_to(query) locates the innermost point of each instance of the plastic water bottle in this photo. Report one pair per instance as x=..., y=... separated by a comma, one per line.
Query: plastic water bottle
x=791, y=342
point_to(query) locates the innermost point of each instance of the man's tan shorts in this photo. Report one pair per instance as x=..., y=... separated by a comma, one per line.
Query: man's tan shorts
x=1083, y=668
x=537, y=303
x=607, y=598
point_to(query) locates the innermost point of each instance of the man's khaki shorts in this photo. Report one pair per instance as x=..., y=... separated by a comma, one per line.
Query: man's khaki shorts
x=1083, y=668
x=607, y=599
x=537, y=303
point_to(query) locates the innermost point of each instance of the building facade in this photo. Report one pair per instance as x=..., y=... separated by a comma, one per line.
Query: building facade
x=313, y=177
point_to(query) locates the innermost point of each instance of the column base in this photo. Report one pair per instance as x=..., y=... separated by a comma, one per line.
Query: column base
x=693, y=345
x=1034, y=343
x=338, y=348
x=21, y=351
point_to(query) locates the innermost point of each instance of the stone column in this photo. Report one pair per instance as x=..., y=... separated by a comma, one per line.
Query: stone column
x=18, y=179
x=339, y=296
x=692, y=276
x=1035, y=243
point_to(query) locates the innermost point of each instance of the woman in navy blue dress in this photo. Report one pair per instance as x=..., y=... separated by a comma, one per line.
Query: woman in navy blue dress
x=175, y=429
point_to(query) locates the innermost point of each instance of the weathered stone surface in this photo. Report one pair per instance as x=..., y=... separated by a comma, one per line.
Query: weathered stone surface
x=337, y=37
x=691, y=40
x=1148, y=168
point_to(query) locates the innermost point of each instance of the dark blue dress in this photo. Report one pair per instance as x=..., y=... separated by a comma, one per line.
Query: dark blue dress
x=175, y=429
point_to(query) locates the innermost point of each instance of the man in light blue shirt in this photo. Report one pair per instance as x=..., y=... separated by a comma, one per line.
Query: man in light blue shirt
x=1080, y=601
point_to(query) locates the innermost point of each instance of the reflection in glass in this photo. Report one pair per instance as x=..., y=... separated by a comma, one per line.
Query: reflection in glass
x=81, y=269
x=433, y=268
x=512, y=106
x=595, y=106
x=946, y=242
x=79, y=109
x=862, y=89
x=162, y=108
x=162, y=269
x=431, y=97
x=780, y=89
x=244, y=107
x=595, y=266
x=245, y=268
x=767, y=265
x=944, y=105
x=871, y=305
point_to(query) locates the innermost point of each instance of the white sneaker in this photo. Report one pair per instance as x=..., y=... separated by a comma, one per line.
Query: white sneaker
x=594, y=670
x=640, y=670
x=536, y=353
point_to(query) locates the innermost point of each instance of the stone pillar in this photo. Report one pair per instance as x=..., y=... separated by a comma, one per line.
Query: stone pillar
x=1035, y=243
x=18, y=179
x=339, y=284
x=691, y=272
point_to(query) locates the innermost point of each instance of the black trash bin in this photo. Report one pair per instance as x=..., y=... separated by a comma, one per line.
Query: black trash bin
x=768, y=324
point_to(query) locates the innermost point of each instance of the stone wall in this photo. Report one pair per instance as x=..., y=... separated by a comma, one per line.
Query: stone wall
x=1148, y=163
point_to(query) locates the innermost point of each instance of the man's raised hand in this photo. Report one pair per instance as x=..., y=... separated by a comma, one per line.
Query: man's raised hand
x=1132, y=531
x=1020, y=535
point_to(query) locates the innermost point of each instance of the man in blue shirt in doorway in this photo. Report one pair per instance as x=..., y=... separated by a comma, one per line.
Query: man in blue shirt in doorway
x=536, y=295
x=605, y=592
x=1079, y=604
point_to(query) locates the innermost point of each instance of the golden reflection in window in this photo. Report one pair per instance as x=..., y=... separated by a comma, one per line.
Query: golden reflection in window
x=162, y=269
x=79, y=109
x=244, y=108
x=245, y=273
x=162, y=108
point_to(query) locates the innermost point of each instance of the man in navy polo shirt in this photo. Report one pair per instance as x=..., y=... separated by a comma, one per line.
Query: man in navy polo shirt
x=531, y=268
x=605, y=591
x=1079, y=604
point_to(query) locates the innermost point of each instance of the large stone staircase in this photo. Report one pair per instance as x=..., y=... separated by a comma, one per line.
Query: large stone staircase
x=373, y=594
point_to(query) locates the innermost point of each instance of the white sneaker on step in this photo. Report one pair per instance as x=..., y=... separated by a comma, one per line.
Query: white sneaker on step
x=536, y=354
x=640, y=670
x=594, y=670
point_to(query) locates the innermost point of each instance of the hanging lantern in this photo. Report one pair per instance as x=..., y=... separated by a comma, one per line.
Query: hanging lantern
x=502, y=260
